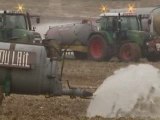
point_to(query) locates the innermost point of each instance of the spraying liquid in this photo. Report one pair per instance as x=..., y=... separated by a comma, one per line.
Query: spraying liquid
x=133, y=91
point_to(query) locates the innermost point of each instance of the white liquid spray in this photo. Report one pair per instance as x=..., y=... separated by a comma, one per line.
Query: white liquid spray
x=133, y=91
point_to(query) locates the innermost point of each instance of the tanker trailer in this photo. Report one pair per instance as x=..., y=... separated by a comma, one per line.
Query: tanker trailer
x=70, y=36
x=150, y=18
x=155, y=21
x=25, y=69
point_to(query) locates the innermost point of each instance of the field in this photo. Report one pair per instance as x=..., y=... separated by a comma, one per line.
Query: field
x=79, y=73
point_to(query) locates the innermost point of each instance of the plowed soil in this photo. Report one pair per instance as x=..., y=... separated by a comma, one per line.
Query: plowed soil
x=85, y=74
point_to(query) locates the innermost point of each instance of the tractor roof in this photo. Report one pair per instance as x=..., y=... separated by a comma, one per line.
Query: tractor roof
x=10, y=12
x=142, y=10
x=117, y=14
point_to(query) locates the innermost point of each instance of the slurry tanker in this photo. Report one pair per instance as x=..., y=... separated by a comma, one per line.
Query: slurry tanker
x=25, y=67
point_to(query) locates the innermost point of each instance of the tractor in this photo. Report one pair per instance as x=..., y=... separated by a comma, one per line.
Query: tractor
x=16, y=27
x=114, y=34
x=121, y=35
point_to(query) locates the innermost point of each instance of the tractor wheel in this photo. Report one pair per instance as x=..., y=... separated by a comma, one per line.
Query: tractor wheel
x=80, y=55
x=98, y=48
x=129, y=52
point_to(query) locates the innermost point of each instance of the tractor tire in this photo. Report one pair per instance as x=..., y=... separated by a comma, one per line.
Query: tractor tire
x=129, y=52
x=80, y=55
x=98, y=48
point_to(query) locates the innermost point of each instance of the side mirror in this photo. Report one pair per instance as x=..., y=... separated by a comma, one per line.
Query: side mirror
x=34, y=28
x=37, y=20
x=98, y=20
x=149, y=21
x=140, y=17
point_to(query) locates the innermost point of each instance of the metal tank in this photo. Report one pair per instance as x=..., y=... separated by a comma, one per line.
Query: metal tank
x=150, y=19
x=68, y=34
x=25, y=69
x=155, y=20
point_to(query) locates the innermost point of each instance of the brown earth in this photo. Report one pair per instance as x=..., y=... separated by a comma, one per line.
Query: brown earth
x=79, y=73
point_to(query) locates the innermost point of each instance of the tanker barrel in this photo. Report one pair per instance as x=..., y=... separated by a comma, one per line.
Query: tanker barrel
x=76, y=92
x=27, y=70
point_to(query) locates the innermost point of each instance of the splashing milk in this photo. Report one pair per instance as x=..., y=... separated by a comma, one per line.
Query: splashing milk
x=132, y=91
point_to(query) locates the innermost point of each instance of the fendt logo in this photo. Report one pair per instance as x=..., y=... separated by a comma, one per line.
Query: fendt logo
x=16, y=59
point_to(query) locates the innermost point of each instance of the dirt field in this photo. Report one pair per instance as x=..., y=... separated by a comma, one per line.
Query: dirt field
x=79, y=73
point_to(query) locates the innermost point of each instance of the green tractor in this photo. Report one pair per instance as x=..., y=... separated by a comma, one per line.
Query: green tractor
x=121, y=35
x=16, y=27
x=115, y=34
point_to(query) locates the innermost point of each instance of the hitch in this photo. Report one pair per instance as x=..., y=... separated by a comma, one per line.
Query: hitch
x=77, y=92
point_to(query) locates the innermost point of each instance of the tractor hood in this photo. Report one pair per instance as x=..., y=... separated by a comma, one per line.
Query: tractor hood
x=139, y=36
x=20, y=36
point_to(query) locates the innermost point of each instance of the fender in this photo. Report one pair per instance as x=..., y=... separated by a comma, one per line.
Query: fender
x=108, y=37
x=140, y=37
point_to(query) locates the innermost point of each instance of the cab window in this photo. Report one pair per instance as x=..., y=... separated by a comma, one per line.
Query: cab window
x=15, y=21
x=129, y=23
x=107, y=23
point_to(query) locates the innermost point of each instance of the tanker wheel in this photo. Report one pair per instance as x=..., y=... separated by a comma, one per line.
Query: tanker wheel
x=98, y=48
x=129, y=52
x=80, y=55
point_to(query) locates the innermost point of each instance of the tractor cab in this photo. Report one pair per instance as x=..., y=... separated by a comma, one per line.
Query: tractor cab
x=119, y=22
x=16, y=27
x=120, y=27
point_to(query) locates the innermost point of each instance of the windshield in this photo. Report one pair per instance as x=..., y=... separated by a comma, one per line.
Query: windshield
x=111, y=23
x=15, y=21
x=129, y=23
